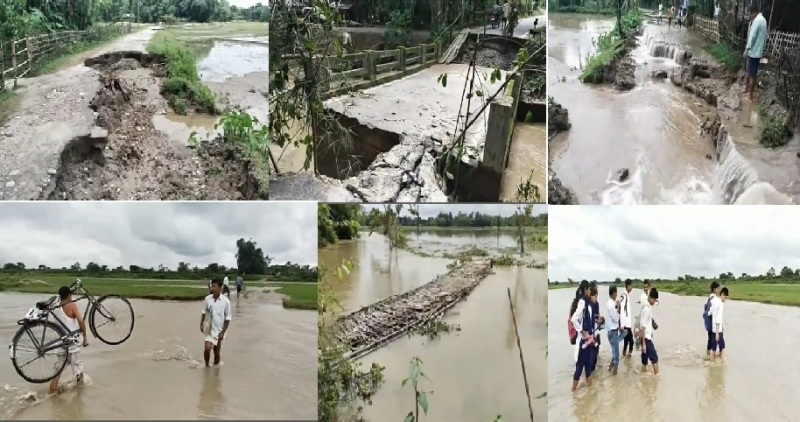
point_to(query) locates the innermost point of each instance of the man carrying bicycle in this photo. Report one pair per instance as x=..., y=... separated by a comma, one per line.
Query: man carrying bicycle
x=69, y=314
x=215, y=320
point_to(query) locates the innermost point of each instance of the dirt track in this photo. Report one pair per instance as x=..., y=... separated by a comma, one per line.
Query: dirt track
x=87, y=133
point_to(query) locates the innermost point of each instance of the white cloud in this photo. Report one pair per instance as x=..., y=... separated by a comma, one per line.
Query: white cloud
x=602, y=242
x=59, y=234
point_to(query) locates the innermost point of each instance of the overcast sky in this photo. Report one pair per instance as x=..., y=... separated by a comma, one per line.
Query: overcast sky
x=147, y=234
x=432, y=210
x=602, y=243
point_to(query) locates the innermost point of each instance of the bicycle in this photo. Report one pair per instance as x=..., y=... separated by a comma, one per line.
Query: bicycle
x=38, y=317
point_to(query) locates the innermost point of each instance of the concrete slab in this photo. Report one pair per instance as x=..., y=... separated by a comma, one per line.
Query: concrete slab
x=418, y=105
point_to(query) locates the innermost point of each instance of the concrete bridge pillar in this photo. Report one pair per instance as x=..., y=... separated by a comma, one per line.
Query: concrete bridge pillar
x=370, y=65
x=423, y=48
x=438, y=50
x=500, y=126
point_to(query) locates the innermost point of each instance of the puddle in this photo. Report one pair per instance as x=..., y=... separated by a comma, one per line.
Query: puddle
x=179, y=128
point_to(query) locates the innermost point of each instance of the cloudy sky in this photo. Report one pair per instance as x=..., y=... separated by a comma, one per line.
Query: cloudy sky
x=602, y=243
x=59, y=234
x=433, y=210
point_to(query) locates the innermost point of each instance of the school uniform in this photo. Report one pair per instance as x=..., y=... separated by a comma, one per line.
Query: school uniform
x=595, y=311
x=626, y=320
x=612, y=325
x=649, y=353
x=717, y=325
x=583, y=320
x=711, y=344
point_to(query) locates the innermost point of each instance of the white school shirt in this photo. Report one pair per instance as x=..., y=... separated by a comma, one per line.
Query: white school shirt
x=626, y=311
x=225, y=281
x=219, y=311
x=717, y=307
x=646, y=321
x=613, y=315
x=577, y=317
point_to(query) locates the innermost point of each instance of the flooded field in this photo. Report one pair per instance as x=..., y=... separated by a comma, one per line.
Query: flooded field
x=475, y=373
x=268, y=371
x=652, y=130
x=236, y=71
x=756, y=383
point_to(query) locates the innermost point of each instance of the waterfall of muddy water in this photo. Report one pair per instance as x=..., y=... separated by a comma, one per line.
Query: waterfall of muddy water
x=237, y=74
x=758, y=381
x=475, y=373
x=269, y=367
x=652, y=130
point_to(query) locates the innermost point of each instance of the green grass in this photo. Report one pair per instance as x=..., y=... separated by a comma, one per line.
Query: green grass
x=132, y=288
x=221, y=30
x=610, y=46
x=182, y=84
x=729, y=58
x=503, y=229
x=301, y=295
x=775, y=294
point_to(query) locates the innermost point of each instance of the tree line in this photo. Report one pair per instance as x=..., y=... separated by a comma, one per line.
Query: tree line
x=786, y=275
x=21, y=18
x=472, y=219
x=250, y=260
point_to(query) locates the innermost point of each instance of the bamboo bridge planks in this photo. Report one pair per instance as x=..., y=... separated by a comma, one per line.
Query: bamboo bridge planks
x=373, y=326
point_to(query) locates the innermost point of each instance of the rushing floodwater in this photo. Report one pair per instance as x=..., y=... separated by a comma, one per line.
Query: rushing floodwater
x=758, y=382
x=475, y=373
x=268, y=372
x=653, y=130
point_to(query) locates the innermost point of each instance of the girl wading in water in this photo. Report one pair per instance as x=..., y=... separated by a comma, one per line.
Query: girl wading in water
x=582, y=322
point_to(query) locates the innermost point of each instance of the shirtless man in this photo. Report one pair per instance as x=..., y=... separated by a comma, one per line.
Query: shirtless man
x=217, y=308
x=69, y=314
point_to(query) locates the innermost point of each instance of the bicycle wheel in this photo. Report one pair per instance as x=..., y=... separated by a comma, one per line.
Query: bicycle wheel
x=25, y=355
x=116, y=313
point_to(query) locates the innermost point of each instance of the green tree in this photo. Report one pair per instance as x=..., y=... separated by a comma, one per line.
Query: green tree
x=250, y=259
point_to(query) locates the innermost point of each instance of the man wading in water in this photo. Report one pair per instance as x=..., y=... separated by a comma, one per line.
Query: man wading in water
x=215, y=320
x=69, y=314
x=239, y=285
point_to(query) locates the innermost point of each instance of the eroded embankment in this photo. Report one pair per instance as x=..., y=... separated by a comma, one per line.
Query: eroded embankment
x=558, y=121
x=738, y=178
x=125, y=157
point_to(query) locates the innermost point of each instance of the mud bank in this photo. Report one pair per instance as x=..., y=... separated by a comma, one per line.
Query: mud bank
x=558, y=121
x=125, y=157
x=750, y=173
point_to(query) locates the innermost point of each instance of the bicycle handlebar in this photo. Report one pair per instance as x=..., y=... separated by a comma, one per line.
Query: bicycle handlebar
x=75, y=284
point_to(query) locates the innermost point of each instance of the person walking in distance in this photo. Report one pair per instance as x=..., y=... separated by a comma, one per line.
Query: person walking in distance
x=214, y=321
x=614, y=328
x=713, y=298
x=69, y=314
x=226, y=289
x=239, y=285
x=626, y=319
x=754, y=50
x=649, y=353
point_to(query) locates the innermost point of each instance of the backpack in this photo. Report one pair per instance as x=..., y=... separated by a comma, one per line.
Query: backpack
x=706, y=316
x=573, y=335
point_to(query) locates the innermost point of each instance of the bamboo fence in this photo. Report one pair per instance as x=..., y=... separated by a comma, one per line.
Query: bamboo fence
x=19, y=58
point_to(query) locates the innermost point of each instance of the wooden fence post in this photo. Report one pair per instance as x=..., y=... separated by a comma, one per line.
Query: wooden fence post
x=30, y=55
x=14, y=61
x=2, y=67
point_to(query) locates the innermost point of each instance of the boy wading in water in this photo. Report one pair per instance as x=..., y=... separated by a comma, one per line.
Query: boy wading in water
x=708, y=317
x=215, y=320
x=70, y=315
x=626, y=319
x=718, y=346
x=583, y=322
x=649, y=353
x=614, y=329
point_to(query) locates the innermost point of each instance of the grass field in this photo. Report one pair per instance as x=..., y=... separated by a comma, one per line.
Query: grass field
x=301, y=295
x=776, y=294
x=220, y=29
x=503, y=229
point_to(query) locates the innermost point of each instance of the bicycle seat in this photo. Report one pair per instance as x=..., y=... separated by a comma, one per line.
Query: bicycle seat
x=43, y=305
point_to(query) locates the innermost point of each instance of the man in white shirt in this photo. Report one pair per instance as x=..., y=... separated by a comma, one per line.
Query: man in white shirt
x=626, y=319
x=717, y=321
x=226, y=288
x=614, y=329
x=215, y=320
x=506, y=13
x=649, y=353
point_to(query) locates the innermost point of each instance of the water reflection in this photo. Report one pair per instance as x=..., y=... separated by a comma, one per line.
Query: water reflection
x=475, y=373
x=212, y=400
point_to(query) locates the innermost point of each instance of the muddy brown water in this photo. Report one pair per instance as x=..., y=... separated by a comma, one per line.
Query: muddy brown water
x=758, y=381
x=268, y=372
x=528, y=153
x=474, y=373
x=653, y=130
x=237, y=73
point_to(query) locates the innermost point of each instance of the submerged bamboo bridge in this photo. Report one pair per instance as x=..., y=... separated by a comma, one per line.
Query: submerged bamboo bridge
x=373, y=326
